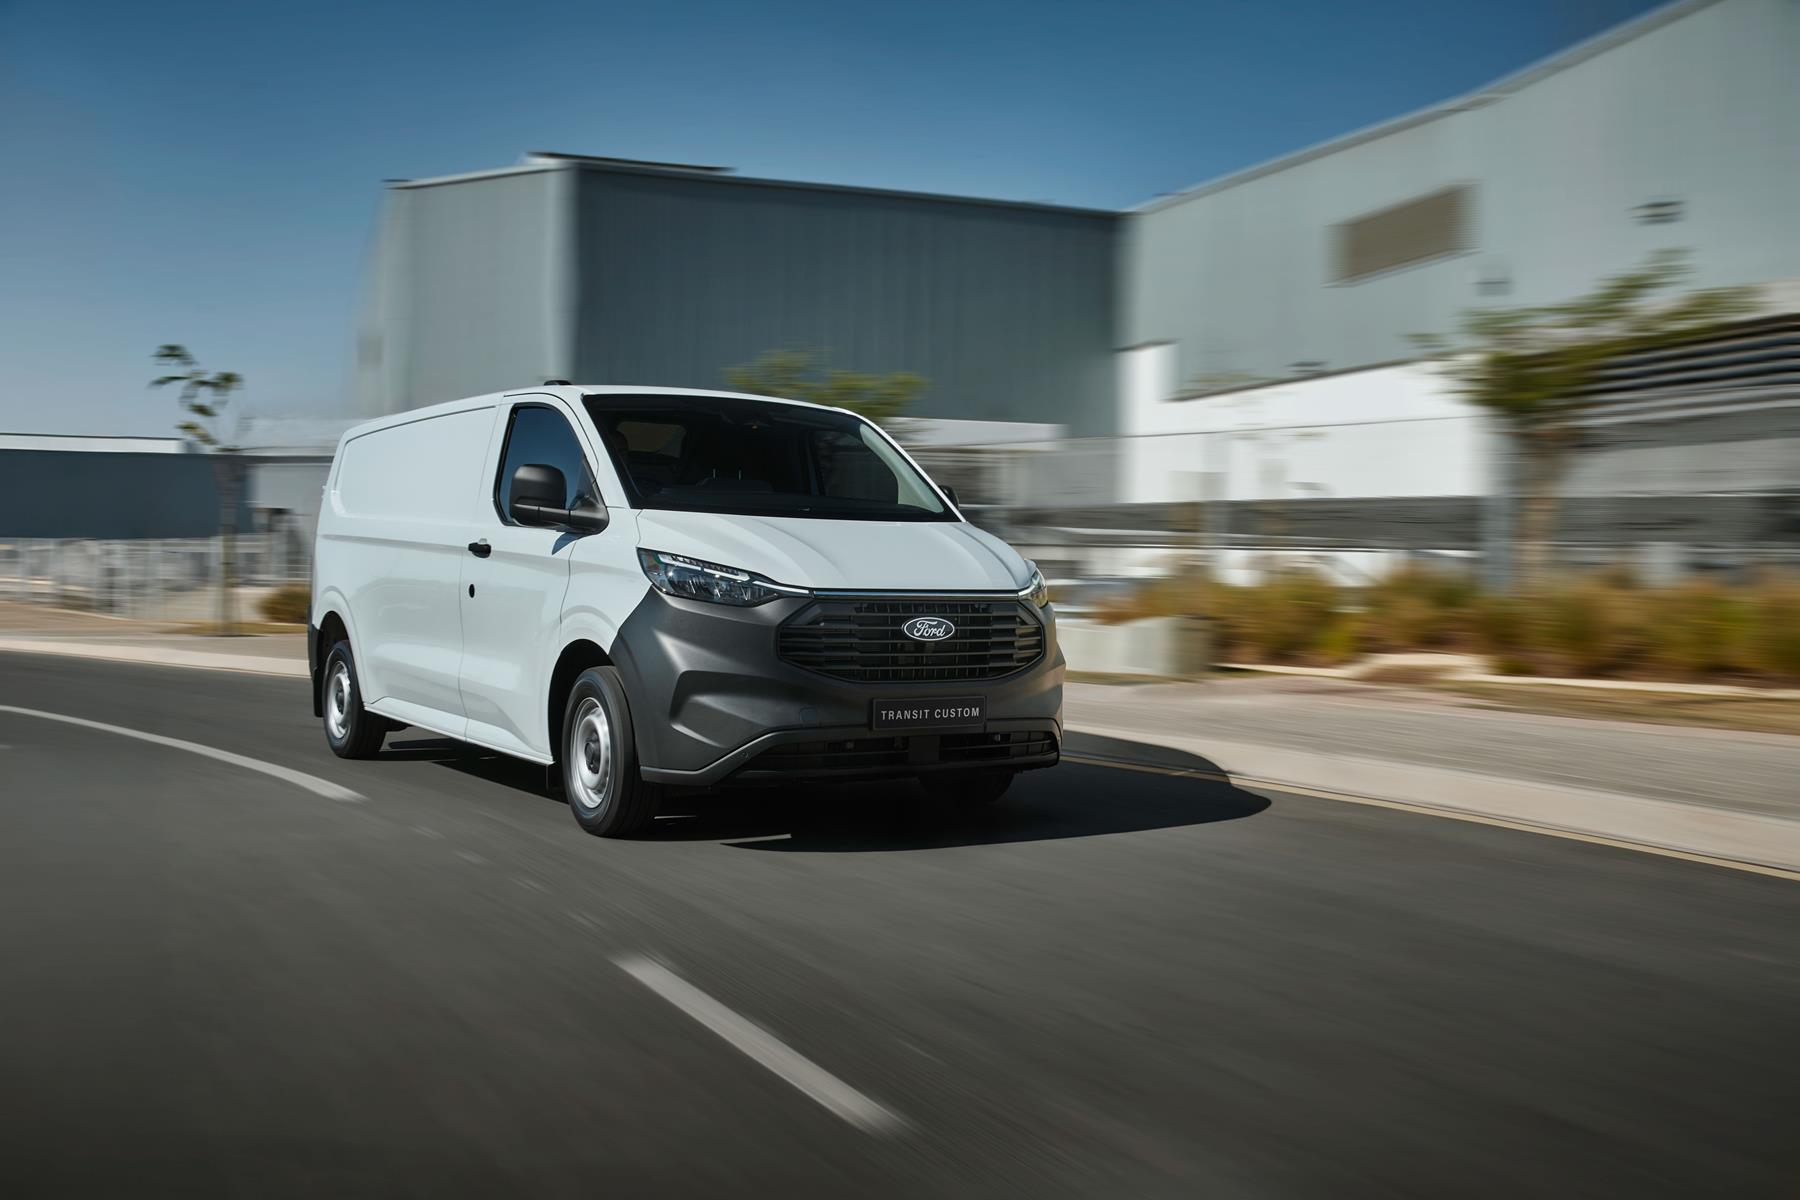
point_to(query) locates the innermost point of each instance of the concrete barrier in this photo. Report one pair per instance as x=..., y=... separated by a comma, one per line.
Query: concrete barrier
x=1154, y=647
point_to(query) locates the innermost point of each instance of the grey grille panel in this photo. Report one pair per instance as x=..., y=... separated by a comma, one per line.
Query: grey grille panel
x=861, y=640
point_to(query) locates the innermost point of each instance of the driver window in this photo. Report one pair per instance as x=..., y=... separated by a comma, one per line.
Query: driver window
x=536, y=434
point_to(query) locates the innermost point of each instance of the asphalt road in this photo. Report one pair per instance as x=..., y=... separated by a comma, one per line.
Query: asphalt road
x=1115, y=984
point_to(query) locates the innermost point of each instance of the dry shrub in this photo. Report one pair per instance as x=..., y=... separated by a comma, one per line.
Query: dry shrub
x=1281, y=619
x=1589, y=627
x=1773, y=644
x=1500, y=626
x=1420, y=608
x=1596, y=626
x=287, y=604
x=1340, y=641
x=1170, y=596
x=1697, y=629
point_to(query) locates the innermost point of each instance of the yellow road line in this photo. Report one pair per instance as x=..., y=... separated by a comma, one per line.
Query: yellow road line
x=1430, y=811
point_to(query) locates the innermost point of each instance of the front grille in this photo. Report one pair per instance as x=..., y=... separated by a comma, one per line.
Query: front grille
x=861, y=640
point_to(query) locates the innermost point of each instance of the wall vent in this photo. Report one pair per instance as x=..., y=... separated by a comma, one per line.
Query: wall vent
x=1416, y=231
x=1659, y=212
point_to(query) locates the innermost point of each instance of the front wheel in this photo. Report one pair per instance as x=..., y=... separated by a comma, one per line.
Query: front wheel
x=599, y=759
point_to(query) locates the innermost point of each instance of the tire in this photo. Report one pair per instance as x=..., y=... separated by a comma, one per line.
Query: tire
x=971, y=789
x=351, y=730
x=597, y=757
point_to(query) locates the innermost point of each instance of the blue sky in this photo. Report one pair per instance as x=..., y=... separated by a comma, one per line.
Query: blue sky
x=209, y=173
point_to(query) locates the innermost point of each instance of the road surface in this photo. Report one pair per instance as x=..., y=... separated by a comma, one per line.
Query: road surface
x=417, y=976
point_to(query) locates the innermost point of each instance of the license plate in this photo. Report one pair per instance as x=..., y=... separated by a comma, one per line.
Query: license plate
x=955, y=712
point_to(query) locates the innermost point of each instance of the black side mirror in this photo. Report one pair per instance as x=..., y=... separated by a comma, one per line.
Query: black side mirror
x=950, y=494
x=534, y=487
x=535, y=497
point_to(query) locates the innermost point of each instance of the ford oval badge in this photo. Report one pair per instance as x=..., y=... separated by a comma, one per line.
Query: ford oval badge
x=928, y=629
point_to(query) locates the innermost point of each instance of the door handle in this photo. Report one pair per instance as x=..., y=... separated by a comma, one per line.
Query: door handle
x=480, y=549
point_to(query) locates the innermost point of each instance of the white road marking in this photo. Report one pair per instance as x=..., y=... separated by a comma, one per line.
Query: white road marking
x=312, y=783
x=763, y=1047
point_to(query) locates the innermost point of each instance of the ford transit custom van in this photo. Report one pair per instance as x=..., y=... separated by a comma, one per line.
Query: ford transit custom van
x=651, y=588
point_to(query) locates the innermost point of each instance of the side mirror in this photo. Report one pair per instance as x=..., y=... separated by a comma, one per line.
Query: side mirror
x=950, y=494
x=535, y=487
x=535, y=497
x=589, y=518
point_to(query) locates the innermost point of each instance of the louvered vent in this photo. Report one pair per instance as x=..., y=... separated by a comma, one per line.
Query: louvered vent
x=1751, y=365
x=1417, y=231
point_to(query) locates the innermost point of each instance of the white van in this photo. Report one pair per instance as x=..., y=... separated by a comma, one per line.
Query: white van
x=652, y=587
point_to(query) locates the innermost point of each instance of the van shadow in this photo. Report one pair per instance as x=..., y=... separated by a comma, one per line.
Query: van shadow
x=1102, y=786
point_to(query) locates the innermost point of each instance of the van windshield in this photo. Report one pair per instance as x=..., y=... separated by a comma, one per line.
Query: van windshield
x=723, y=454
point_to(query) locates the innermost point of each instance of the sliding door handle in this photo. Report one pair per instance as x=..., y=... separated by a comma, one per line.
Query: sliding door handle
x=480, y=549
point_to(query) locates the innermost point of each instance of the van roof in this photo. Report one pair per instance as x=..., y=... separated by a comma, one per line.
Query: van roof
x=571, y=393
x=576, y=391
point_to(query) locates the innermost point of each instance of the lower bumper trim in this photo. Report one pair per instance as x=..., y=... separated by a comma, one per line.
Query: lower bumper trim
x=858, y=753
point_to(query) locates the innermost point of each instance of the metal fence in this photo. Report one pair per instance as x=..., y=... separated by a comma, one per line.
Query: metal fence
x=152, y=578
x=1357, y=500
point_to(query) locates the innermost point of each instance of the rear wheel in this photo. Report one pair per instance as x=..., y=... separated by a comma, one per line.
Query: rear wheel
x=971, y=789
x=351, y=730
x=599, y=759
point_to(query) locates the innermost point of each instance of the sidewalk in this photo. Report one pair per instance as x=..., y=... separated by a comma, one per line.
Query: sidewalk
x=1714, y=793
x=37, y=628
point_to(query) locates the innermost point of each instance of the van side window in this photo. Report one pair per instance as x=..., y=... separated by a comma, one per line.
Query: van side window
x=541, y=436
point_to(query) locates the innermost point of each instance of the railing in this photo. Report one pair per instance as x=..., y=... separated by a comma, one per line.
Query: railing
x=153, y=579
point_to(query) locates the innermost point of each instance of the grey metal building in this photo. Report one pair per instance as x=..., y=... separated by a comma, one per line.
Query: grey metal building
x=616, y=272
x=1673, y=131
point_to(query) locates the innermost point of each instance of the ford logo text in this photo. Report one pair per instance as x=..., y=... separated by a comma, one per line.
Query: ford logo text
x=928, y=629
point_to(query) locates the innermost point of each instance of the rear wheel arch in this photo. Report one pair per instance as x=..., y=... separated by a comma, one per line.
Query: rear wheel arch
x=332, y=630
x=329, y=632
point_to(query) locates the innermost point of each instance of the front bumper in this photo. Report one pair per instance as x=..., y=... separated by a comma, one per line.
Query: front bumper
x=712, y=701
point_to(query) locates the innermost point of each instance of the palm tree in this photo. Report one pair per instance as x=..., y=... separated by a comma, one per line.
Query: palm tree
x=204, y=397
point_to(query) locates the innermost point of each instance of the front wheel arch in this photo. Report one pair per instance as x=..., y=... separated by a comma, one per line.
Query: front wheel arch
x=576, y=657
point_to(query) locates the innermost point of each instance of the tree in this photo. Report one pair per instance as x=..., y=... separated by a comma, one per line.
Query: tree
x=204, y=397
x=803, y=375
x=1531, y=367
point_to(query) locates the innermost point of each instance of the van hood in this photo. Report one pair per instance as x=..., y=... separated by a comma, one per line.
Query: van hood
x=862, y=555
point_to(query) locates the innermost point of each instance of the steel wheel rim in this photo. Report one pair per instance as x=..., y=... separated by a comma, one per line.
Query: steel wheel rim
x=590, y=756
x=337, y=701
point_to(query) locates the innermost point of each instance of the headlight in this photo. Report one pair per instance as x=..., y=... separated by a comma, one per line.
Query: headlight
x=1037, y=591
x=693, y=579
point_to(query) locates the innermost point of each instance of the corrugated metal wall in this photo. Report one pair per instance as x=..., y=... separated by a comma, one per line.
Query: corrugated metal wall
x=460, y=300
x=1699, y=110
x=1007, y=311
